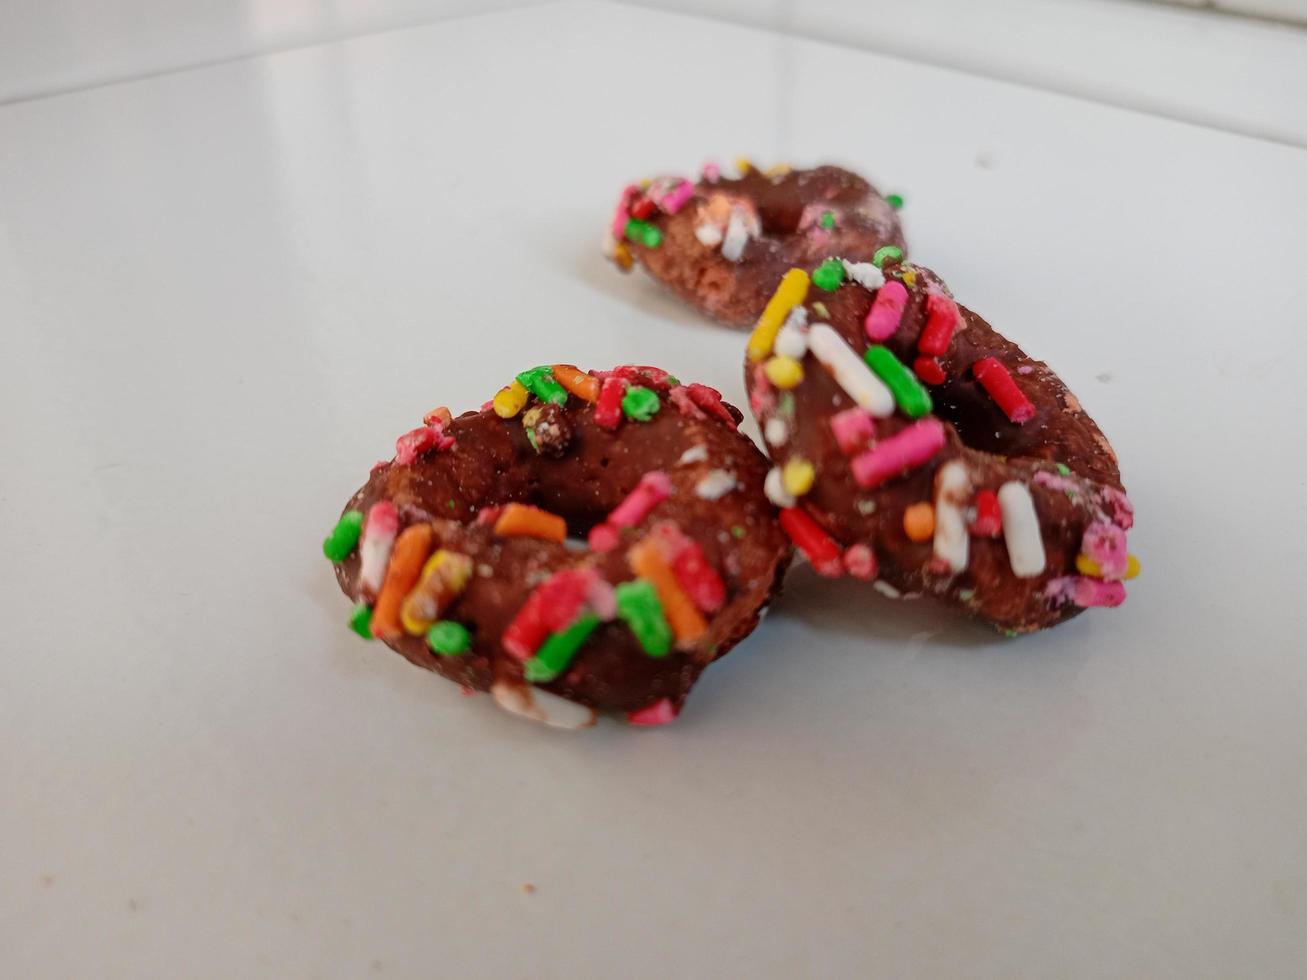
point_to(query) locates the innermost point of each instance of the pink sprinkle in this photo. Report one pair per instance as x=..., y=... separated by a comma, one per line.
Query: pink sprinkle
x=1054, y=481
x=1105, y=544
x=762, y=399
x=1085, y=592
x=488, y=406
x=899, y=453
x=466, y=691
x=853, y=429
x=603, y=537
x=654, y=487
x=712, y=171
x=710, y=400
x=886, y=312
x=623, y=213
x=659, y=713
x=641, y=374
x=380, y=464
x=488, y=515
x=1123, y=512
x=860, y=562
x=600, y=597
x=677, y=198
x=1026, y=369
x=680, y=397
x=411, y=445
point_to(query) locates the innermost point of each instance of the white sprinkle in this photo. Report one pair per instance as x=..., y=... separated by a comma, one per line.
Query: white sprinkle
x=798, y=318
x=609, y=244
x=864, y=274
x=541, y=706
x=1025, y=544
x=792, y=342
x=774, y=487
x=776, y=431
x=952, y=488
x=709, y=235
x=695, y=454
x=715, y=485
x=737, y=236
x=887, y=590
x=485, y=570
x=866, y=506
x=374, y=558
x=850, y=371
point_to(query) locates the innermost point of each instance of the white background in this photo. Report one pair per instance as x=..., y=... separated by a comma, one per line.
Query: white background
x=223, y=293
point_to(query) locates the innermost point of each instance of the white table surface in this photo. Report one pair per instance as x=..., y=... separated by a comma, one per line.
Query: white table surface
x=224, y=292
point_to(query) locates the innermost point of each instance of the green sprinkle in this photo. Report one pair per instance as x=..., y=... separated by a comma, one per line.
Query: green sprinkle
x=531, y=438
x=540, y=382
x=673, y=381
x=644, y=233
x=820, y=309
x=448, y=638
x=895, y=201
x=639, y=608
x=913, y=399
x=360, y=620
x=344, y=536
x=1063, y=469
x=828, y=275
x=966, y=595
x=640, y=403
x=1010, y=633
x=558, y=650
x=885, y=253
x=785, y=403
x=738, y=531
x=827, y=219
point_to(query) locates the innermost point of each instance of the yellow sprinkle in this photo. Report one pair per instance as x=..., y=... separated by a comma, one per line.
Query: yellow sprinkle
x=797, y=476
x=1087, y=566
x=783, y=372
x=645, y=182
x=622, y=256
x=743, y=165
x=792, y=291
x=1131, y=566
x=509, y=401
x=779, y=170
x=910, y=277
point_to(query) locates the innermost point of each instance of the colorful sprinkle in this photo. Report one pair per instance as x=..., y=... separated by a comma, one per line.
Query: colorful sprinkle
x=714, y=485
x=576, y=382
x=708, y=234
x=737, y=236
x=1087, y=566
x=1087, y=593
x=894, y=200
x=792, y=341
x=654, y=487
x=929, y=370
x=1021, y=532
x=818, y=546
x=550, y=607
x=952, y=488
x=542, y=706
x=710, y=400
x=886, y=312
x=798, y=476
x=440, y=415
x=829, y=275
x=540, y=382
x=647, y=561
x=1104, y=544
x=773, y=486
x=743, y=165
x=776, y=431
x=860, y=562
x=988, y=522
x=895, y=455
x=622, y=213
x=693, y=571
x=659, y=713
x=792, y=291
x=827, y=219
x=360, y=620
x=444, y=577
x=639, y=608
x=423, y=439
x=853, y=428
x=524, y=521
x=509, y=401
x=996, y=380
x=449, y=638
x=886, y=253
x=677, y=197
x=919, y=521
x=942, y=321
x=558, y=650
x=864, y=274
x=344, y=536
x=379, y=531
x=643, y=233
x=411, y=549
x=912, y=398
x=640, y=403
x=608, y=409
x=850, y=371
x=784, y=372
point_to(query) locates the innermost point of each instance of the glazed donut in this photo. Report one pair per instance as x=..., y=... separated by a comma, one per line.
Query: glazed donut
x=456, y=551
x=916, y=447
x=722, y=244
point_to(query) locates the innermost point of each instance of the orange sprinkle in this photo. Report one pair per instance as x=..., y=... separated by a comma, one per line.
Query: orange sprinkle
x=919, y=521
x=438, y=414
x=525, y=521
x=406, y=560
x=647, y=561
x=584, y=386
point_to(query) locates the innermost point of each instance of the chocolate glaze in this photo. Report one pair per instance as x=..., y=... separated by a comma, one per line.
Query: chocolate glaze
x=788, y=208
x=492, y=463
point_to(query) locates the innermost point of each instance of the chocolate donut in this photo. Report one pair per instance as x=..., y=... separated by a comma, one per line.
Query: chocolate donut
x=456, y=550
x=722, y=244
x=916, y=447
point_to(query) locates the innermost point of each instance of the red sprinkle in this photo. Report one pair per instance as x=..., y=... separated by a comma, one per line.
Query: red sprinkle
x=989, y=518
x=680, y=397
x=941, y=322
x=693, y=572
x=929, y=370
x=642, y=374
x=809, y=538
x=658, y=713
x=608, y=409
x=411, y=445
x=996, y=380
x=488, y=515
x=643, y=209
x=710, y=400
x=860, y=562
x=551, y=607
